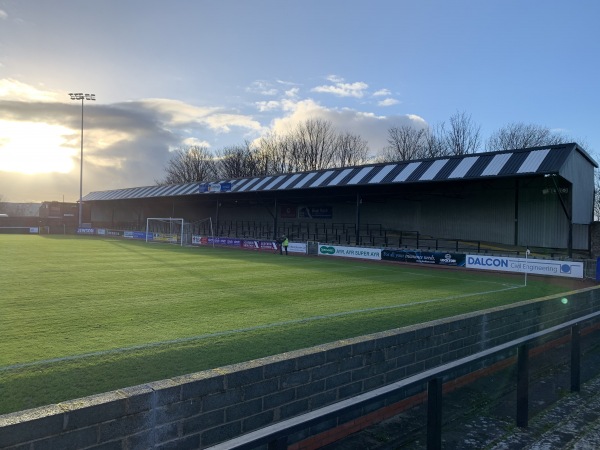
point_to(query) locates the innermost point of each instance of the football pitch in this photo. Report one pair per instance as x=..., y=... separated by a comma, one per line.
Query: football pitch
x=80, y=316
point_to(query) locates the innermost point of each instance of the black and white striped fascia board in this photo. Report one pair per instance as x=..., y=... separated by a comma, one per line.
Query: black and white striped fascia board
x=483, y=165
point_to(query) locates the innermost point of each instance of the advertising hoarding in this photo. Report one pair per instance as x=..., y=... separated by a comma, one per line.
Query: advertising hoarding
x=350, y=252
x=416, y=256
x=532, y=266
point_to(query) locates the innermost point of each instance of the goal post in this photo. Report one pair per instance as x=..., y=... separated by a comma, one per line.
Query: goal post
x=171, y=230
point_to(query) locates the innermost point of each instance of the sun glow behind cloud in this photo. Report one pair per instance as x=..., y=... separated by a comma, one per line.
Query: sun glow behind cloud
x=34, y=148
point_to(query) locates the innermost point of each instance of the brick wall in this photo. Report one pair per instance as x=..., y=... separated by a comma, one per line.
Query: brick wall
x=205, y=408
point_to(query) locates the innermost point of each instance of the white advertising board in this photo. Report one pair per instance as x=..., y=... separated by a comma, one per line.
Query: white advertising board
x=297, y=247
x=521, y=265
x=349, y=252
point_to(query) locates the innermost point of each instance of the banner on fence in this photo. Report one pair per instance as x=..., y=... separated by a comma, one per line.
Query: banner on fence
x=249, y=244
x=416, y=256
x=199, y=240
x=521, y=265
x=227, y=242
x=165, y=237
x=349, y=252
x=256, y=244
x=297, y=247
x=137, y=235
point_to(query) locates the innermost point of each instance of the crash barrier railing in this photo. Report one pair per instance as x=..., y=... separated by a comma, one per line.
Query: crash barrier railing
x=276, y=435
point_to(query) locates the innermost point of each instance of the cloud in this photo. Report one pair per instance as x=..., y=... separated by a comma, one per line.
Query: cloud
x=341, y=89
x=287, y=83
x=263, y=87
x=178, y=113
x=268, y=105
x=371, y=127
x=11, y=89
x=335, y=79
x=292, y=93
x=125, y=144
x=3, y=14
x=128, y=144
x=194, y=142
x=388, y=102
x=382, y=93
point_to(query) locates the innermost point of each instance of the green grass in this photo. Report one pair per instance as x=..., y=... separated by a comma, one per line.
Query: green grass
x=80, y=316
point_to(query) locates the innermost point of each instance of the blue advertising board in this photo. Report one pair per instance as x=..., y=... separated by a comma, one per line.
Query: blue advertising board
x=214, y=187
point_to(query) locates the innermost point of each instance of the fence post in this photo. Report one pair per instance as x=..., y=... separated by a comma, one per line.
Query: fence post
x=434, y=414
x=523, y=386
x=575, y=358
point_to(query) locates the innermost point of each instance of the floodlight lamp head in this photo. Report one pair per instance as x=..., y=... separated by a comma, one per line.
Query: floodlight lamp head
x=90, y=96
x=76, y=96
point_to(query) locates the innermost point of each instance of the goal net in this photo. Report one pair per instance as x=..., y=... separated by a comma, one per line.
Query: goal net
x=201, y=229
x=168, y=230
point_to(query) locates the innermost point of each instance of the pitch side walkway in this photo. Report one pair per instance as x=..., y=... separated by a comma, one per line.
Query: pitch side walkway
x=574, y=423
x=559, y=419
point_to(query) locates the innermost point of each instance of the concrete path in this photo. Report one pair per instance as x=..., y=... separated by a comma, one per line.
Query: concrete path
x=572, y=423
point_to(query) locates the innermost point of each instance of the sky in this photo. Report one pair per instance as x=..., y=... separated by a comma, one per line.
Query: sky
x=217, y=73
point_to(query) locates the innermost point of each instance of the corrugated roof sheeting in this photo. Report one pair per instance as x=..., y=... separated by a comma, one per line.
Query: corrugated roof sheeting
x=304, y=179
x=433, y=169
x=362, y=173
x=533, y=161
x=540, y=160
x=463, y=167
x=381, y=173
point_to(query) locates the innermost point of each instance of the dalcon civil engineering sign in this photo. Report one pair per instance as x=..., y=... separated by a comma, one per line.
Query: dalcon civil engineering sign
x=533, y=266
x=349, y=252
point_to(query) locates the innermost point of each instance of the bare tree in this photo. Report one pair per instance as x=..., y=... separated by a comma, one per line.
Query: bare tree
x=312, y=145
x=273, y=155
x=433, y=146
x=190, y=164
x=405, y=143
x=462, y=137
x=238, y=161
x=350, y=150
x=520, y=135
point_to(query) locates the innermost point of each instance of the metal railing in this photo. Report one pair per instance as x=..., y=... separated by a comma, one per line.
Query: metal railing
x=276, y=435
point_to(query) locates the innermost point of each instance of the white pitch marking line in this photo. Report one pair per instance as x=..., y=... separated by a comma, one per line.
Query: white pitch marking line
x=240, y=330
